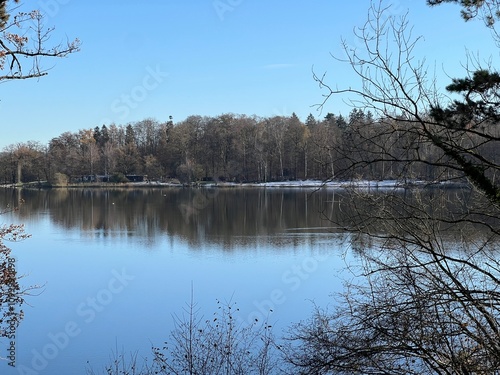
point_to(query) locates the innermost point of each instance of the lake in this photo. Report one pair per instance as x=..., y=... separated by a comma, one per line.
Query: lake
x=114, y=266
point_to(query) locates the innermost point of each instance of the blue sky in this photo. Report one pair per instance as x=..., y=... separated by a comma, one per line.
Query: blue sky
x=157, y=58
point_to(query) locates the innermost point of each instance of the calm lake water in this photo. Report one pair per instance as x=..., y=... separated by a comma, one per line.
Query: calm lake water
x=114, y=266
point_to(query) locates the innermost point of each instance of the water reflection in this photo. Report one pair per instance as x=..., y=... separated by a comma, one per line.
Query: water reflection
x=230, y=217
x=11, y=295
x=192, y=236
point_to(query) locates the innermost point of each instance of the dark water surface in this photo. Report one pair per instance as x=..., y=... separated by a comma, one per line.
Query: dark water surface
x=115, y=265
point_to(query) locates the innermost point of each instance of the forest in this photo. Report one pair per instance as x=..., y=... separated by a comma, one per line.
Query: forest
x=421, y=285
x=233, y=148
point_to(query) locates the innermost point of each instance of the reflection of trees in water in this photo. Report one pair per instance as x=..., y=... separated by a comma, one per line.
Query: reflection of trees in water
x=11, y=294
x=228, y=216
x=10, y=298
x=423, y=291
x=231, y=217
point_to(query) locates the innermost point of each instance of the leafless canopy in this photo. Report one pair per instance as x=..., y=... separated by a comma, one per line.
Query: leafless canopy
x=424, y=297
x=24, y=37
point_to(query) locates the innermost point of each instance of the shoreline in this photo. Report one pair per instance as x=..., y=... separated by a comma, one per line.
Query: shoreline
x=310, y=184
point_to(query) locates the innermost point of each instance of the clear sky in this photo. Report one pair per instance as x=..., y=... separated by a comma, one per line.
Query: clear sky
x=157, y=58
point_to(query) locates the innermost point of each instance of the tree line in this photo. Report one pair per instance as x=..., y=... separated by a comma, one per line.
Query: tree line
x=231, y=147
x=415, y=302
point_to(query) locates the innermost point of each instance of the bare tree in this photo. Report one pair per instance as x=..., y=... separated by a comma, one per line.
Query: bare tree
x=426, y=293
x=423, y=296
x=221, y=344
x=24, y=37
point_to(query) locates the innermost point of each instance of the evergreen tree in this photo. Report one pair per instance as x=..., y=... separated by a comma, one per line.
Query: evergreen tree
x=311, y=121
x=480, y=103
x=356, y=116
x=341, y=122
x=485, y=9
x=130, y=135
x=369, y=117
x=329, y=117
x=97, y=135
x=104, y=135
